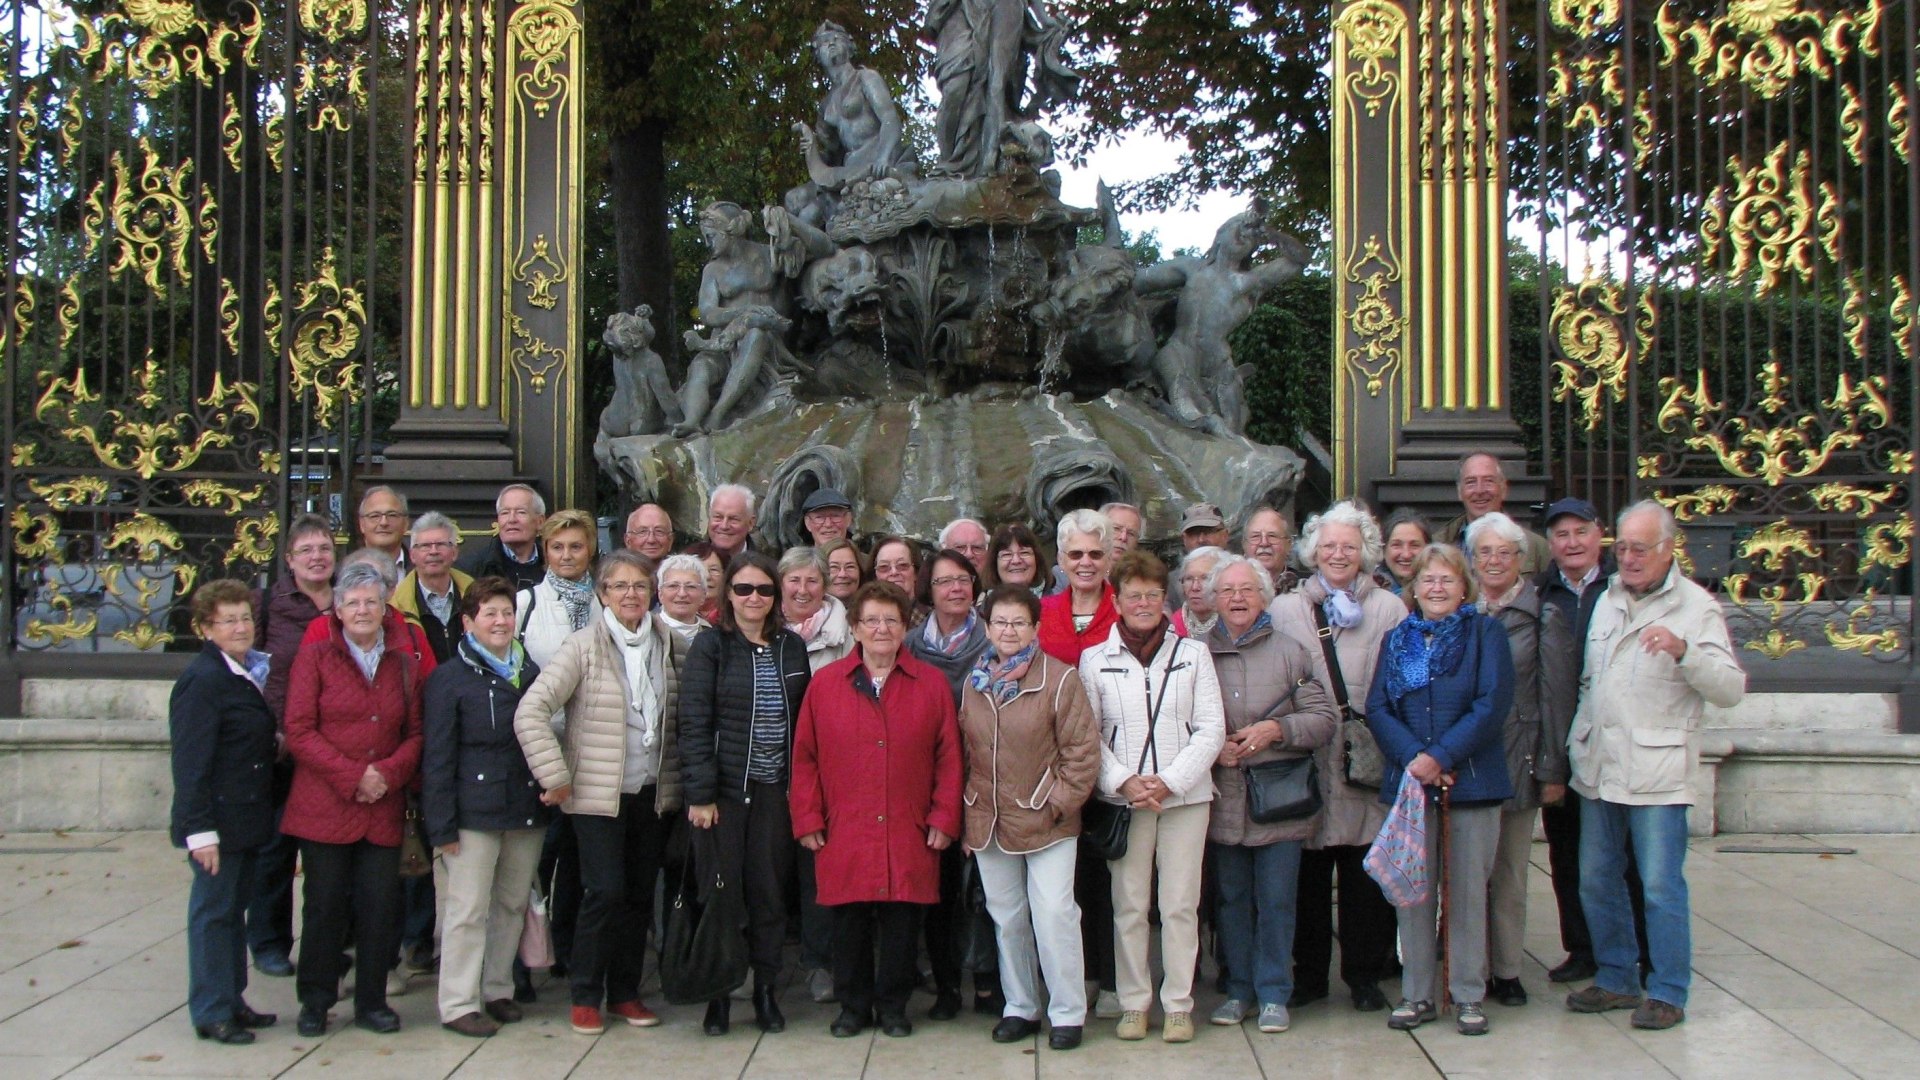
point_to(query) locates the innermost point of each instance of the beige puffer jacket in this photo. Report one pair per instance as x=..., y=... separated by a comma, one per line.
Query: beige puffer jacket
x=587, y=676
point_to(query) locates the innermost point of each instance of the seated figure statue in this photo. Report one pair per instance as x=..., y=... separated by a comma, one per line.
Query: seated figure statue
x=643, y=400
x=858, y=137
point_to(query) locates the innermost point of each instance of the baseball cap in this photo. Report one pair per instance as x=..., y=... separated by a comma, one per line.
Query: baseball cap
x=1201, y=516
x=1579, y=508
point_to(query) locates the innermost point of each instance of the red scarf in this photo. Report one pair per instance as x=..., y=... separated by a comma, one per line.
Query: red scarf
x=1144, y=645
x=1057, y=636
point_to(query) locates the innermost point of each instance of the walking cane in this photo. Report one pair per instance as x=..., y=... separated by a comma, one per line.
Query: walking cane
x=1446, y=899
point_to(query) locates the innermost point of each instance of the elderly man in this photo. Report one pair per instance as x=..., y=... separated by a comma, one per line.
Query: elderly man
x=429, y=596
x=730, y=520
x=383, y=522
x=1269, y=542
x=1202, y=525
x=650, y=532
x=827, y=515
x=1483, y=490
x=969, y=538
x=1657, y=653
x=513, y=552
x=1127, y=526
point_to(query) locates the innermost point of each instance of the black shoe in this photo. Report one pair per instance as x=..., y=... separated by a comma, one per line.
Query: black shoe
x=1064, y=1037
x=313, y=1023
x=224, y=1031
x=718, y=1019
x=1014, y=1028
x=1507, y=992
x=1573, y=969
x=946, y=1005
x=523, y=991
x=848, y=1024
x=1305, y=996
x=991, y=1003
x=378, y=1021
x=1368, y=998
x=274, y=964
x=896, y=1027
x=247, y=1018
x=766, y=1011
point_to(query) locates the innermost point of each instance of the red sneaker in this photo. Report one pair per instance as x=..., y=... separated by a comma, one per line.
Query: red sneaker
x=586, y=1020
x=635, y=1012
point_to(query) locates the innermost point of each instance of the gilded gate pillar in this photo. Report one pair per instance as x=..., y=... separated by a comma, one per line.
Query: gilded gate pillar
x=490, y=388
x=1420, y=248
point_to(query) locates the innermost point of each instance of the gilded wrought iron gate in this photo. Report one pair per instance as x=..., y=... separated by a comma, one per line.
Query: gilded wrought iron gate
x=1721, y=196
x=201, y=296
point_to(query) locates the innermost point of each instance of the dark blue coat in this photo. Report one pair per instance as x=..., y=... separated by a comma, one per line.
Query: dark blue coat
x=472, y=772
x=223, y=750
x=1459, y=717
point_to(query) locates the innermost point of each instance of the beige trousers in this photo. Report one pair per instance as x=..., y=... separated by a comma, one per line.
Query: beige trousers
x=1175, y=841
x=1507, y=894
x=483, y=894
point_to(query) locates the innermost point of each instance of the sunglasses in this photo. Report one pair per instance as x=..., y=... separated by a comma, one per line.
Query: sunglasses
x=741, y=588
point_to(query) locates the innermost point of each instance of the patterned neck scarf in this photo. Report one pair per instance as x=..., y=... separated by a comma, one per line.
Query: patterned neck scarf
x=1264, y=622
x=576, y=595
x=1419, y=649
x=947, y=644
x=508, y=669
x=1000, y=679
x=1341, y=605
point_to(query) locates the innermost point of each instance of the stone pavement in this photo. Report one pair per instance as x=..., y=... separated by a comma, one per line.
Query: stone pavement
x=1803, y=965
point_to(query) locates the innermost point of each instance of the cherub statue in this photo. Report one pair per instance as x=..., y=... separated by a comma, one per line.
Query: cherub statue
x=643, y=400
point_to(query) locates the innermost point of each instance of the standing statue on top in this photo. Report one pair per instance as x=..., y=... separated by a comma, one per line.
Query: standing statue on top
x=858, y=136
x=984, y=51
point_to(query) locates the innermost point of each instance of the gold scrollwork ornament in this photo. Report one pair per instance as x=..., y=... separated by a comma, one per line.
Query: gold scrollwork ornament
x=325, y=334
x=1372, y=29
x=1586, y=324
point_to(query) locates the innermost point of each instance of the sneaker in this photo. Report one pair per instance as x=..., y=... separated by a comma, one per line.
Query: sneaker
x=1274, y=1018
x=586, y=1020
x=1107, y=1006
x=1656, y=1015
x=397, y=982
x=635, y=1012
x=1177, y=1027
x=1470, y=1019
x=820, y=987
x=1231, y=1012
x=1410, y=1014
x=1595, y=999
x=1132, y=1026
x=1574, y=969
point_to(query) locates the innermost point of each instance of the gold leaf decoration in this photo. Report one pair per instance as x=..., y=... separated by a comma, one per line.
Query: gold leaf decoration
x=1585, y=17
x=230, y=316
x=1776, y=644
x=1586, y=327
x=334, y=20
x=232, y=133
x=40, y=631
x=35, y=536
x=1897, y=119
x=68, y=313
x=1753, y=447
x=148, y=440
x=222, y=497
x=1851, y=638
x=325, y=334
x=149, y=536
x=1700, y=502
x=1900, y=313
x=68, y=494
x=143, y=636
x=151, y=223
x=1372, y=30
x=1773, y=542
x=253, y=540
x=1846, y=498
x=1888, y=544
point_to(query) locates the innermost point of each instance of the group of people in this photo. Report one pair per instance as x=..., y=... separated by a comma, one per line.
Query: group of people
x=905, y=749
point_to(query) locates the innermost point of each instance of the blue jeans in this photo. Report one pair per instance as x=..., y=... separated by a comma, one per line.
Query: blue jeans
x=1659, y=838
x=217, y=937
x=1257, y=890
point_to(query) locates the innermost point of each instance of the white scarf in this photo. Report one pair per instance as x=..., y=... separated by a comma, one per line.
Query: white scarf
x=643, y=696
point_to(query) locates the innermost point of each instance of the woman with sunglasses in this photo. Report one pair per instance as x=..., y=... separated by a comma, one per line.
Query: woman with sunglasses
x=742, y=689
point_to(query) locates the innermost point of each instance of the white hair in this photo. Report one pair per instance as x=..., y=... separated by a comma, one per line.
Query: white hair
x=1496, y=525
x=1669, y=528
x=360, y=573
x=430, y=521
x=1199, y=554
x=1228, y=559
x=745, y=493
x=539, y=504
x=947, y=533
x=686, y=564
x=1306, y=552
x=1094, y=524
x=1112, y=506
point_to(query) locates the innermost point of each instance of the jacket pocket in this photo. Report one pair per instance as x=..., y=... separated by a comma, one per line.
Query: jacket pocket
x=1659, y=762
x=483, y=793
x=1041, y=791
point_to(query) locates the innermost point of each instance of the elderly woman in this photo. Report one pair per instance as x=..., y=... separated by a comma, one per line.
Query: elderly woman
x=1195, y=616
x=353, y=728
x=563, y=603
x=1407, y=534
x=895, y=562
x=715, y=565
x=876, y=798
x=1014, y=556
x=1546, y=678
x=1161, y=729
x=1339, y=612
x=846, y=569
x=223, y=744
x=808, y=611
x=743, y=686
x=1033, y=753
x=1275, y=711
x=615, y=771
x=1441, y=694
x=482, y=811
x=683, y=595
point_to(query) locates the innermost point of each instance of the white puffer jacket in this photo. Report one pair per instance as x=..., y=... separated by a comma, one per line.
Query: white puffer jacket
x=1191, y=727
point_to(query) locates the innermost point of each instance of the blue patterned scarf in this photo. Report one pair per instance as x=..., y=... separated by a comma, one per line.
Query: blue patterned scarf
x=1413, y=661
x=1342, y=605
x=1264, y=622
x=508, y=669
x=1000, y=680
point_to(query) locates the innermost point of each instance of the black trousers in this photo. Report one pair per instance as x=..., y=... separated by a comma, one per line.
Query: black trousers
x=753, y=842
x=863, y=985
x=1093, y=891
x=619, y=864
x=1368, y=924
x=270, y=907
x=355, y=884
x=1562, y=825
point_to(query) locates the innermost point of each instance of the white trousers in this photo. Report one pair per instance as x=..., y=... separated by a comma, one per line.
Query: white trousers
x=1035, y=918
x=483, y=894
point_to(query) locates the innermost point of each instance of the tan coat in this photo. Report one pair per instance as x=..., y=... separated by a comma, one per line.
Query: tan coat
x=1265, y=671
x=1031, y=763
x=1353, y=815
x=587, y=676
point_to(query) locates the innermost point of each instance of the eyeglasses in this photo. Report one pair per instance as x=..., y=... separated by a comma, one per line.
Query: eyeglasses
x=1004, y=625
x=621, y=588
x=1151, y=596
x=1437, y=581
x=311, y=551
x=231, y=622
x=381, y=515
x=433, y=545
x=881, y=622
x=1500, y=554
x=1095, y=554
x=1639, y=551
x=654, y=532
x=683, y=586
x=1339, y=549
x=366, y=603
x=743, y=589
x=1233, y=591
x=950, y=579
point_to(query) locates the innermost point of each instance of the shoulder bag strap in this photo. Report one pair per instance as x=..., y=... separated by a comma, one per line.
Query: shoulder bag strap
x=1153, y=713
x=1334, y=674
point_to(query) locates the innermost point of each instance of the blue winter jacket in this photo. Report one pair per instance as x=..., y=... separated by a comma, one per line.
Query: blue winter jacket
x=1458, y=717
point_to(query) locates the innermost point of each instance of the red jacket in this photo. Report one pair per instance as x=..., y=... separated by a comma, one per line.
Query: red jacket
x=873, y=776
x=338, y=723
x=1057, y=636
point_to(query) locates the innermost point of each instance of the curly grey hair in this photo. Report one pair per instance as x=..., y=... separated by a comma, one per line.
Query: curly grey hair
x=686, y=564
x=1307, y=551
x=1260, y=577
x=1091, y=522
x=1496, y=525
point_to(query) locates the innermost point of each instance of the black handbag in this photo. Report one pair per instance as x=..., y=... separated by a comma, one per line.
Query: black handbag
x=1104, y=826
x=703, y=953
x=1283, y=790
x=1361, y=763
